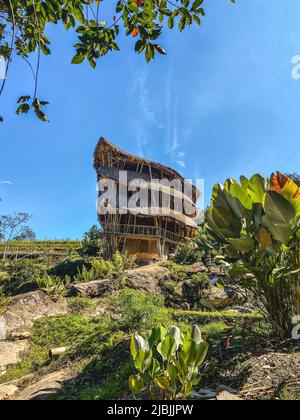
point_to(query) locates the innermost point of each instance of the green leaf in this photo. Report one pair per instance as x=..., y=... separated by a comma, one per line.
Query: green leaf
x=136, y=384
x=78, y=59
x=196, y=334
x=242, y=244
x=167, y=347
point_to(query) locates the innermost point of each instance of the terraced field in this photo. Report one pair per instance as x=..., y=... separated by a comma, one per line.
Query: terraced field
x=21, y=249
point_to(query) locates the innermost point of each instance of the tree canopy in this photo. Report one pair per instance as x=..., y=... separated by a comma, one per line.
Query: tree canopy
x=23, y=26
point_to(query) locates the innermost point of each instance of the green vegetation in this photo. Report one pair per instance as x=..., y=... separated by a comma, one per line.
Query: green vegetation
x=52, y=286
x=167, y=362
x=47, y=247
x=256, y=223
x=188, y=254
x=25, y=24
x=92, y=244
x=79, y=306
x=134, y=309
x=22, y=275
x=4, y=301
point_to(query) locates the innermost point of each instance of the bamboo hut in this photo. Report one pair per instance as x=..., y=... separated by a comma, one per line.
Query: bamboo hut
x=152, y=230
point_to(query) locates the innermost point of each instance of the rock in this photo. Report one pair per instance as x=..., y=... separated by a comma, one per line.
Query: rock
x=203, y=394
x=94, y=289
x=45, y=387
x=7, y=391
x=227, y=389
x=215, y=272
x=11, y=352
x=227, y=396
x=27, y=308
x=195, y=268
x=220, y=297
x=20, y=335
x=3, y=328
x=147, y=278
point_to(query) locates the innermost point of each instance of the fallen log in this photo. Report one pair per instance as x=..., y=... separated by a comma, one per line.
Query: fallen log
x=55, y=353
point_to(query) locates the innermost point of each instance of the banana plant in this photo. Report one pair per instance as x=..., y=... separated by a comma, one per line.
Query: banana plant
x=257, y=223
x=167, y=362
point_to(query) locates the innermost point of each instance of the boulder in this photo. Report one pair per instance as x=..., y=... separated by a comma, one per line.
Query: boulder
x=11, y=352
x=27, y=308
x=198, y=267
x=7, y=392
x=45, y=387
x=147, y=278
x=219, y=297
x=227, y=396
x=3, y=328
x=94, y=289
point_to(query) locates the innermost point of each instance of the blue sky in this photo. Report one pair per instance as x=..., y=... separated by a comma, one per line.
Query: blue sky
x=222, y=103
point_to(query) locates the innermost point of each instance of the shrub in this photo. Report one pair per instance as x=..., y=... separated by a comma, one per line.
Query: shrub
x=80, y=305
x=69, y=267
x=192, y=289
x=52, y=286
x=188, y=255
x=22, y=276
x=256, y=222
x=92, y=245
x=178, y=273
x=136, y=309
x=4, y=301
x=167, y=362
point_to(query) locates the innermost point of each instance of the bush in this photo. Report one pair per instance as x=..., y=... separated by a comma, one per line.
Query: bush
x=92, y=245
x=192, y=289
x=167, y=362
x=188, y=255
x=22, y=276
x=79, y=305
x=4, y=301
x=69, y=267
x=256, y=222
x=178, y=273
x=52, y=286
x=136, y=309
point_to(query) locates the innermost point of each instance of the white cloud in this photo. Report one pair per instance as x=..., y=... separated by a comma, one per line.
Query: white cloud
x=6, y=183
x=140, y=88
x=173, y=142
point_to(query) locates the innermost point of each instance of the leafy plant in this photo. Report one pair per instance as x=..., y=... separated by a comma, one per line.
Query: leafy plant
x=188, y=254
x=52, y=286
x=92, y=244
x=135, y=309
x=22, y=276
x=69, y=267
x=80, y=305
x=167, y=362
x=4, y=301
x=256, y=223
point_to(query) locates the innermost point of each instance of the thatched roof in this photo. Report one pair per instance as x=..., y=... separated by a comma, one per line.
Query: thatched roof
x=105, y=150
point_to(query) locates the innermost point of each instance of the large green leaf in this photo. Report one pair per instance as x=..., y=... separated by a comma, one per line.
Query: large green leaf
x=238, y=192
x=242, y=244
x=174, y=332
x=280, y=232
x=167, y=347
x=200, y=353
x=196, y=334
x=278, y=209
x=226, y=221
x=136, y=384
x=257, y=189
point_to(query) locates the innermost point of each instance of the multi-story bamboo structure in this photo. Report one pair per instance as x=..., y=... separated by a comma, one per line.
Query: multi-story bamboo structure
x=150, y=231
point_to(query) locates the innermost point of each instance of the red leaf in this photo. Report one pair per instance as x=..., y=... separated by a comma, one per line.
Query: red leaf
x=135, y=32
